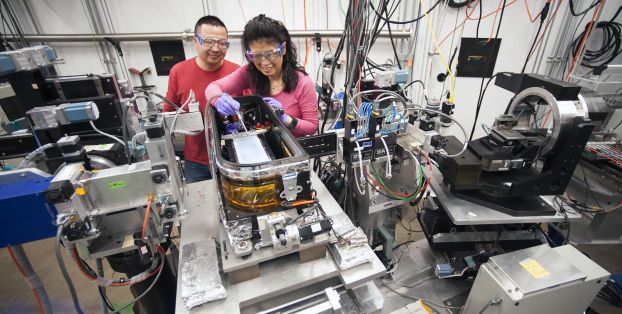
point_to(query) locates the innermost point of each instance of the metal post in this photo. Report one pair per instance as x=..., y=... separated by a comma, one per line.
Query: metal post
x=187, y=36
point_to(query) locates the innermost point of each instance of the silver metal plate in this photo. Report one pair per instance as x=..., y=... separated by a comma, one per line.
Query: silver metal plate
x=559, y=270
x=119, y=188
x=463, y=212
x=279, y=276
x=249, y=150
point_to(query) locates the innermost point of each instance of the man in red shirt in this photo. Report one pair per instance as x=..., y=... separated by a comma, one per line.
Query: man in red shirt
x=211, y=43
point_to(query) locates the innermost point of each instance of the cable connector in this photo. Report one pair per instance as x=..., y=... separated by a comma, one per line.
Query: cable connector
x=545, y=11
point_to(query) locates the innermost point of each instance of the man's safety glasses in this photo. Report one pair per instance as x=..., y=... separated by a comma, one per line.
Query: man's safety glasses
x=210, y=42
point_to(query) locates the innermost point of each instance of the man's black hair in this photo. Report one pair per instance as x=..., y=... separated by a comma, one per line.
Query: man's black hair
x=209, y=20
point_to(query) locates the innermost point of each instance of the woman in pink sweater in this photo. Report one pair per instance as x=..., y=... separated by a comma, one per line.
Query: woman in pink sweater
x=273, y=71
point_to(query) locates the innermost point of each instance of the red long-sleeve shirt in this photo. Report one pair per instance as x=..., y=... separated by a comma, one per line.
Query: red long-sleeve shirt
x=187, y=75
x=300, y=103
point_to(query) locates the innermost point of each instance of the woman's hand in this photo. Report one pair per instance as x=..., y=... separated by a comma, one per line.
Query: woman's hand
x=277, y=105
x=227, y=106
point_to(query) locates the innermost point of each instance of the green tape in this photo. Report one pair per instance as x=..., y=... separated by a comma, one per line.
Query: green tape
x=116, y=185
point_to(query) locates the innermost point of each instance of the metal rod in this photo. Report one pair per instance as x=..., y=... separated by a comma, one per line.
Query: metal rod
x=188, y=36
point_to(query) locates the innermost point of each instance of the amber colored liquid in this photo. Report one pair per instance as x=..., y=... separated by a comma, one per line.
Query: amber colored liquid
x=258, y=196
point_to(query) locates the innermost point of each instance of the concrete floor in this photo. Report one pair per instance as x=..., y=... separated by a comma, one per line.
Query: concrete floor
x=16, y=296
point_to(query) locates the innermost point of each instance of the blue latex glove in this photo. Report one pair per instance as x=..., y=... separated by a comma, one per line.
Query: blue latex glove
x=227, y=106
x=277, y=105
x=232, y=128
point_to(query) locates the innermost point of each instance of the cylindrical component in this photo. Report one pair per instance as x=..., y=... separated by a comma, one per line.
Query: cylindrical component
x=161, y=298
x=448, y=109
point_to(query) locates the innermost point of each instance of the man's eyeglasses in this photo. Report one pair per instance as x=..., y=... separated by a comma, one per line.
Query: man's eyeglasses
x=267, y=55
x=209, y=42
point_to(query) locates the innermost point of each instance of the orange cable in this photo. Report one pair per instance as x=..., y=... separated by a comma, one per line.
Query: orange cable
x=149, y=202
x=587, y=34
x=74, y=255
x=302, y=202
x=23, y=272
x=468, y=14
x=535, y=48
x=532, y=19
x=242, y=11
x=306, y=39
x=467, y=18
x=283, y=13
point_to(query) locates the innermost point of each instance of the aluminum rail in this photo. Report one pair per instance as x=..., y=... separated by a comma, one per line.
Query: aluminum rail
x=188, y=36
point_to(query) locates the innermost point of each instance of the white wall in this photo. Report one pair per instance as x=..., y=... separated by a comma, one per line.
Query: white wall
x=68, y=16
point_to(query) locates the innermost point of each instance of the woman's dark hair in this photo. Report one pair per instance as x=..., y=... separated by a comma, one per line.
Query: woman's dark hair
x=262, y=27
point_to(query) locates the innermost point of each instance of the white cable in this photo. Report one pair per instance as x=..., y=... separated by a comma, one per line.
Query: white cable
x=33, y=154
x=418, y=165
x=135, y=139
x=358, y=185
x=388, y=172
x=190, y=99
x=106, y=134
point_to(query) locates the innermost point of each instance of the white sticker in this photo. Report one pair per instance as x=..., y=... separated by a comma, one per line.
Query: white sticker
x=316, y=227
x=89, y=148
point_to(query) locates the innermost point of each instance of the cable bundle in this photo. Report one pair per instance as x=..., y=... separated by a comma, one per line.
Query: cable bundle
x=610, y=47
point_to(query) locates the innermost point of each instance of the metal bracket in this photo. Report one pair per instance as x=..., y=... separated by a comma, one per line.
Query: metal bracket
x=290, y=187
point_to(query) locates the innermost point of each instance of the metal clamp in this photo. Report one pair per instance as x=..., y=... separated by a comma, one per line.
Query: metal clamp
x=290, y=187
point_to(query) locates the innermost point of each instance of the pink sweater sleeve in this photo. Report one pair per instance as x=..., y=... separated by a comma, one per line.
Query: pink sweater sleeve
x=307, y=100
x=233, y=83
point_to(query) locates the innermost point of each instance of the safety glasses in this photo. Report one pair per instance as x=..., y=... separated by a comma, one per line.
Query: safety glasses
x=210, y=42
x=267, y=55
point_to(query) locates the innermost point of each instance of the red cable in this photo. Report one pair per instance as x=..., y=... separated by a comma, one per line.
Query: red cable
x=546, y=118
x=23, y=272
x=587, y=34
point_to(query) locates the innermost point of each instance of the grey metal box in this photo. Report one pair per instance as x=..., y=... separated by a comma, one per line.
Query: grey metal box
x=539, y=279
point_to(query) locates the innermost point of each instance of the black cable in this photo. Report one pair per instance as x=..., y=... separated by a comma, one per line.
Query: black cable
x=610, y=48
x=482, y=92
x=457, y=5
x=543, y=15
x=479, y=102
x=162, y=259
x=533, y=44
x=405, y=22
x=125, y=134
x=574, y=13
x=479, y=4
x=397, y=58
